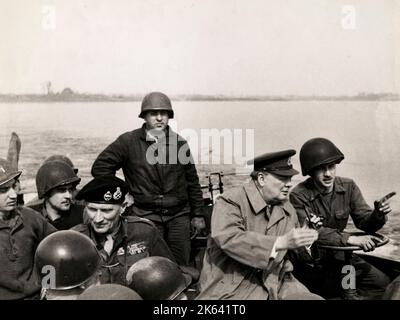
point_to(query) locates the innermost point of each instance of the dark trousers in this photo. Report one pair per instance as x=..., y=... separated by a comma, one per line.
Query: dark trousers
x=326, y=278
x=176, y=233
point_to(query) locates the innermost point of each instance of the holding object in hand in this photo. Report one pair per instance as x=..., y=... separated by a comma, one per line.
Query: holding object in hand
x=198, y=224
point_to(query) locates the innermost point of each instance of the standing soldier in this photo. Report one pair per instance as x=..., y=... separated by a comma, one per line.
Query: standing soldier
x=56, y=183
x=332, y=200
x=164, y=186
x=21, y=230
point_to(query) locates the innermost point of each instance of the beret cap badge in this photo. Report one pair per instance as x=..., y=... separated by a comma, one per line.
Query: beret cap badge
x=107, y=196
x=117, y=194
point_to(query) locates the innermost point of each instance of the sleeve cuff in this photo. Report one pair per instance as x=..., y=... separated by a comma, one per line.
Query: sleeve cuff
x=345, y=238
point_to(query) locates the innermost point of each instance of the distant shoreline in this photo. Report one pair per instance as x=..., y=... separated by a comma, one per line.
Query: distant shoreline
x=78, y=97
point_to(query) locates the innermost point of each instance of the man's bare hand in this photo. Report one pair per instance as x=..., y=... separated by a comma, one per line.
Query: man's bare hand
x=296, y=238
x=382, y=206
x=367, y=242
x=198, y=223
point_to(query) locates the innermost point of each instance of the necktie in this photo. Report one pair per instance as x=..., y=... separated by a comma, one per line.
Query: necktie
x=108, y=245
x=268, y=212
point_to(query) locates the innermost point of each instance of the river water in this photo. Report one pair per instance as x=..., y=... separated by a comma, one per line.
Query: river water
x=368, y=133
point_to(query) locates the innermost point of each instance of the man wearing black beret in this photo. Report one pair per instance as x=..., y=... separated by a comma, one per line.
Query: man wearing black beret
x=252, y=228
x=120, y=240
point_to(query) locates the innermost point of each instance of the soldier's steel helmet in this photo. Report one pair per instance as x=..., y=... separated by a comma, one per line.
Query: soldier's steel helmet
x=60, y=157
x=54, y=174
x=155, y=101
x=73, y=256
x=7, y=172
x=156, y=278
x=316, y=152
x=109, y=292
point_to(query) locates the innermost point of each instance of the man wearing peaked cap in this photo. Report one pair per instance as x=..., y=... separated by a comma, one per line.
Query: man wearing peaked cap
x=21, y=229
x=278, y=163
x=252, y=229
x=120, y=240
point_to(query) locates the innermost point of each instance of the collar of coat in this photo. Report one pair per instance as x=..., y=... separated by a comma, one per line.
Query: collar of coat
x=168, y=132
x=119, y=235
x=13, y=221
x=258, y=203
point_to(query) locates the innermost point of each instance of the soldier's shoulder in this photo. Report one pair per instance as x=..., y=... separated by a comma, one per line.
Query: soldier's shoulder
x=130, y=134
x=27, y=211
x=139, y=220
x=31, y=216
x=35, y=204
x=233, y=196
x=303, y=188
x=82, y=228
x=344, y=181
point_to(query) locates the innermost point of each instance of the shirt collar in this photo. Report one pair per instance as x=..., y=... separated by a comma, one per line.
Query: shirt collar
x=144, y=133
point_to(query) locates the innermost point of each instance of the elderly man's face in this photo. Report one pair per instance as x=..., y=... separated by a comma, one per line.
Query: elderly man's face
x=156, y=120
x=103, y=217
x=275, y=189
x=8, y=195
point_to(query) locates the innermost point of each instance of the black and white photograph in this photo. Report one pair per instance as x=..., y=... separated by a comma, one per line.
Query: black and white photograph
x=224, y=150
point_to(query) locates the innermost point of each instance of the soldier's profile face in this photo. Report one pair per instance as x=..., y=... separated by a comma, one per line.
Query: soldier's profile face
x=275, y=188
x=156, y=120
x=8, y=195
x=324, y=176
x=103, y=217
x=61, y=197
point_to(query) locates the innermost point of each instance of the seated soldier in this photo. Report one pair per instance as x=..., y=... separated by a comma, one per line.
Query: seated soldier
x=157, y=278
x=21, y=230
x=68, y=263
x=56, y=183
x=120, y=240
x=332, y=200
x=36, y=202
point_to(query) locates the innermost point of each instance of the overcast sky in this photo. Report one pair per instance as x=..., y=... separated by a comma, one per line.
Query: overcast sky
x=232, y=47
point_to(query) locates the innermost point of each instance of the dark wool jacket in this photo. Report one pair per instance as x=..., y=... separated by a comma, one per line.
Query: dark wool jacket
x=69, y=219
x=157, y=174
x=347, y=201
x=137, y=238
x=19, y=239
